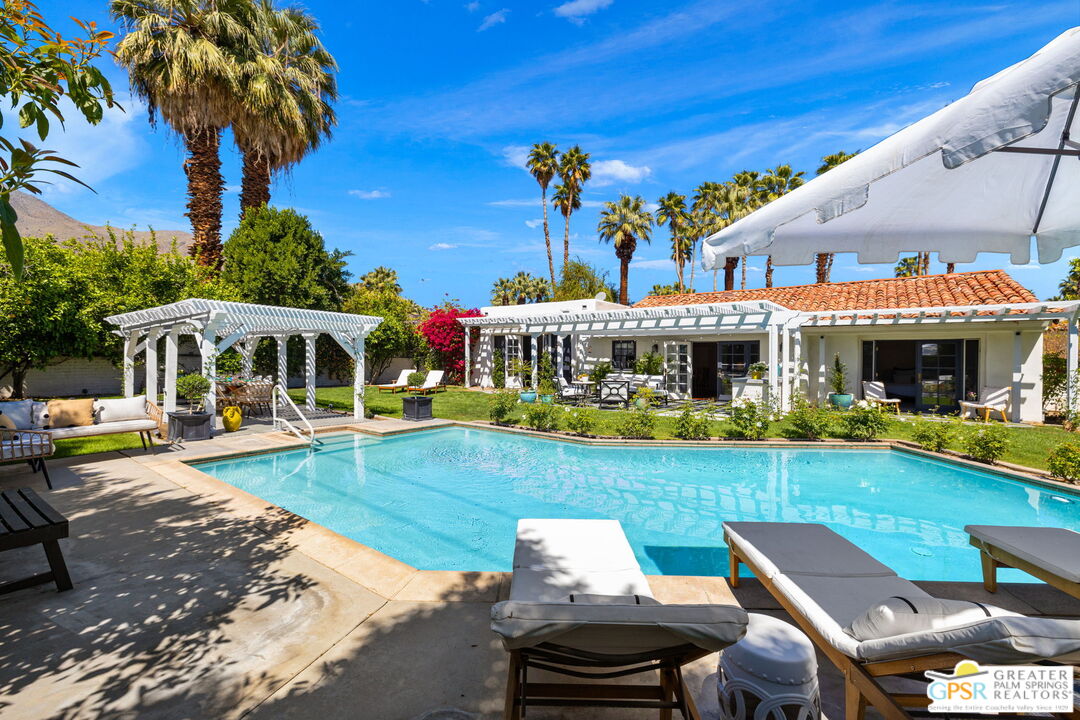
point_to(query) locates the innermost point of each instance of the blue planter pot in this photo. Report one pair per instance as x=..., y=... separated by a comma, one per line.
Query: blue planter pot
x=841, y=400
x=527, y=396
x=547, y=399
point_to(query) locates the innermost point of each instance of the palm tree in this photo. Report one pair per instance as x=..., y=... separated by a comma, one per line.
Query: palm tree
x=282, y=110
x=672, y=212
x=381, y=280
x=566, y=201
x=180, y=56
x=824, y=261
x=623, y=224
x=913, y=265
x=503, y=292
x=735, y=200
x=778, y=181
x=538, y=289
x=574, y=172
x=543, y=163
x=705, y=216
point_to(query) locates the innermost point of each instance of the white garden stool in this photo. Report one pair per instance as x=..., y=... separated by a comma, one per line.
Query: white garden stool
x=770, y=674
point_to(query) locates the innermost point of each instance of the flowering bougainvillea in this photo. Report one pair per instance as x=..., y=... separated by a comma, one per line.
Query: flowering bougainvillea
x=446, y=338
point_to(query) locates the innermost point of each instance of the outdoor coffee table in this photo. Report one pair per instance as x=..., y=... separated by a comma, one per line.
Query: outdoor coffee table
x=1050, y=554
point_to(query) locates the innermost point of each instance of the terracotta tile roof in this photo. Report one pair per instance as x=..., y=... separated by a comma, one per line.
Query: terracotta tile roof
x=983, y=287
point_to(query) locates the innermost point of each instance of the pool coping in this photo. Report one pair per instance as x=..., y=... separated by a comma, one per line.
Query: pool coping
x=393, y=579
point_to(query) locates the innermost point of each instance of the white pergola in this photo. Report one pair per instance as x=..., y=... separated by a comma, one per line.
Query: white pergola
x=218, y=325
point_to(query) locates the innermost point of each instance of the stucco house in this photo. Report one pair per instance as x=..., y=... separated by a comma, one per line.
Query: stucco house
x=932, y=340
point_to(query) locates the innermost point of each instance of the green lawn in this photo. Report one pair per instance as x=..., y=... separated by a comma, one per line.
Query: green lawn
x=1029, y=446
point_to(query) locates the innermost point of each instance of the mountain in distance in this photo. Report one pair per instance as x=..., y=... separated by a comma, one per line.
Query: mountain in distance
x=37, y=219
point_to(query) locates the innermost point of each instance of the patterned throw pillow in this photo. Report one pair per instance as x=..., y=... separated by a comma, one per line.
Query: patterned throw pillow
x=71, y=413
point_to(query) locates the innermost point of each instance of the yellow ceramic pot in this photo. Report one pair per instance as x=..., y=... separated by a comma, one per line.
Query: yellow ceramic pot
x=231, y=417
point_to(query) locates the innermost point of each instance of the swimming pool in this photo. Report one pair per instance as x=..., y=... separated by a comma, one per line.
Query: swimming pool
x=450, y=498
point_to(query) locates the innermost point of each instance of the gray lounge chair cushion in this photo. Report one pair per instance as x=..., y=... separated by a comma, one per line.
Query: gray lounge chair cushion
x=803, y=548
x=901, y=615
x=1000, y=640
x=1054, y=549
x=617, y=629
x=556, y=585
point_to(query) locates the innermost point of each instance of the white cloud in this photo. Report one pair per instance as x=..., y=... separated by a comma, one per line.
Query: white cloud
x=442, y=246
x=370, y=194
x=496, y=18
x=608, y=172
x=472, y=7
x=533, y=224
x=516, y=155
x=576, y=10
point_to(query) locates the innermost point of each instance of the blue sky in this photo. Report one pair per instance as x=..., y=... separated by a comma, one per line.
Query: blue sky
x=440, y=98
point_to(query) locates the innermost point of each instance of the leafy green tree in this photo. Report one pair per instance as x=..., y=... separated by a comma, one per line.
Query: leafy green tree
x=623, y=224
x=824, y=261
x=275, y=257
x=580, y=281
x=396, y=336
x=38, y=68
x=1069, y=288
x=665, y=290
x=574, y=171
x=543, y=163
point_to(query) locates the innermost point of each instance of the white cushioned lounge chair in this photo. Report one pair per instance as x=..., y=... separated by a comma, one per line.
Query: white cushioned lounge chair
x=433, y=383
x=581, y=607
x=871, y=623
x=401, y=383
x=874, y=392
x=1050, y=554
x=992, y=400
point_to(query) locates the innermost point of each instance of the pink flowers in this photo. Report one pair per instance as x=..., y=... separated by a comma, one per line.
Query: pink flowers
x=446, y=337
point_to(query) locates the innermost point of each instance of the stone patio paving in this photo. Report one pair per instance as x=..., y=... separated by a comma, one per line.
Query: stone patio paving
x=196, y=600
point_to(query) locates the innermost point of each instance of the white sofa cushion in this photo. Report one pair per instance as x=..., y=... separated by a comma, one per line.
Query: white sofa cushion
x=17, y=414
x=24, y=446
x=119, y=409
x=122, y=426
x=899, y=615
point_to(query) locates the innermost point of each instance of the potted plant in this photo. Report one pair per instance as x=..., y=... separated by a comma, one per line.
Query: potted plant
x=523, y=372
x=195, y=424
x=644, y=398
x=839, y=397
x=757, y=370
x=546, y=384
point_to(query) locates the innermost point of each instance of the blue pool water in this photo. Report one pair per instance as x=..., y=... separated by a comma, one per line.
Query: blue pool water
x=449, y=499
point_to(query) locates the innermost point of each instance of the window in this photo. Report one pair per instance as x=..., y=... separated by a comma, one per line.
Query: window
x=623, y=354
x=500, y=344
x=737, y=357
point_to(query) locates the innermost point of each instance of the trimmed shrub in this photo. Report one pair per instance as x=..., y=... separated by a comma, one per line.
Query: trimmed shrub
x=750, y=420
x=987, y=443
x=1064, y=462
x=416, y=378
x=864, y=421
x=498, y=369
x=600, y=371
x=545, y=375
x=542, y=417
x=809, y=421
x=934, y=435
x=582, y=420
x=649, y=364
x=690, y=425
x=501, y=406
x=638, y=424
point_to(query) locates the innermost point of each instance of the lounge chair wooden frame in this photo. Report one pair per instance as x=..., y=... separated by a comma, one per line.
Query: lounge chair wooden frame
x=33, y=446
x=994, y=557
x=882, y=399
x=860, y=678
x=671, y=693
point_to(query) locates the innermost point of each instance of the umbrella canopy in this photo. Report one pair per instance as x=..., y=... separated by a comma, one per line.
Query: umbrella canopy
x=983, y=174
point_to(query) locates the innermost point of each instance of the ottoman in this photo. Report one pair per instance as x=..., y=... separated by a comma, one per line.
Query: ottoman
x=770, y=674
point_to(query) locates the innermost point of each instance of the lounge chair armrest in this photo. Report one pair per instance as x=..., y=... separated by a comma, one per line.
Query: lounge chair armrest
x=996, y=640
x=25, y=444
x=155, y=413
x=710, y=627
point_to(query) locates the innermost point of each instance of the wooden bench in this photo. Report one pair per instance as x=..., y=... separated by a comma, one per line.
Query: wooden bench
x=26, y=519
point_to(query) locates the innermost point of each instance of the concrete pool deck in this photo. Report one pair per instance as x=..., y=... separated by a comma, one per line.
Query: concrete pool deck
x=194, y=599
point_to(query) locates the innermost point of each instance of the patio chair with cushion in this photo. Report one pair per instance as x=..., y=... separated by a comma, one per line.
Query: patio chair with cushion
x=401, y=383
x=432, y=383
x=992, y=399
x=581, y=607
x=23, y=437
x=873, y=624
x=568, y=392
x=874, y=392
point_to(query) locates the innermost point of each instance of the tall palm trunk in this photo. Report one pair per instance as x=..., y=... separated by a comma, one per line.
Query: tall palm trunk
x=255, y=185
x=693, y=261
x=742, y=282
x=824, y=267
x=950, y=268
x=566, y=241
x=203, y=170
x=547, y=236
x=625, y=253
x=729, y=272
x=768, y=271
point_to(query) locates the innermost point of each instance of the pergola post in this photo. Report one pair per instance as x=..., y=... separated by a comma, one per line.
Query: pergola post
x=775, y=379
x=1017, y=377
x=1072, y=354
x=822, y=373
x=131, y=344
x=535, y=352
x=247, y=356
x=358, y=379
x=208, y=351
x=309, y=371
x=151, y=365
x=560, y=355
x=283, y=363
x=172, y=341
x=468, y=358
x=785, y=385
x=796, y=366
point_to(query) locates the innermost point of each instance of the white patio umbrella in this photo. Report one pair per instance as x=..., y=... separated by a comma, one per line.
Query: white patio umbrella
x=983, y=174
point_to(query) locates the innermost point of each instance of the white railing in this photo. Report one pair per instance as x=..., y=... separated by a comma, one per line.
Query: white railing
x=280, y=423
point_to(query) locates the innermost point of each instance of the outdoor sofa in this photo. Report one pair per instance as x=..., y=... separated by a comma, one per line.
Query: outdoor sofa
x=579, y=606
x=873, y=624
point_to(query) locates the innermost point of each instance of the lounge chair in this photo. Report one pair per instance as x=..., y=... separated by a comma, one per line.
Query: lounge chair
x=401, y=383
x=874, y=392
x=871, y=623
x=580, y=607
x=432, y=383
x=1050, y=554
x=992, y=399
x=569, y=392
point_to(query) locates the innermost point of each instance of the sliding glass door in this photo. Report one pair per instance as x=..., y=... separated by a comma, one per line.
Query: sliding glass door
x=938, y=367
